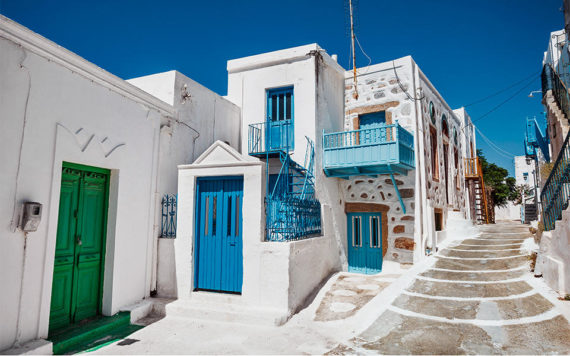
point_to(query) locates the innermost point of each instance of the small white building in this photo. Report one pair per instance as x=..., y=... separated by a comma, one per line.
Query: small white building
x=97, y=153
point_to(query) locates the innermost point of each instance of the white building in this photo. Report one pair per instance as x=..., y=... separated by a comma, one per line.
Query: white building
x=553, y=260
x=374, y=204
x=97, y=153
x=298, y=173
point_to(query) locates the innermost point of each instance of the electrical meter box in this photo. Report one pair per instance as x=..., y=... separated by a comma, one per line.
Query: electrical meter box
x=31, y=217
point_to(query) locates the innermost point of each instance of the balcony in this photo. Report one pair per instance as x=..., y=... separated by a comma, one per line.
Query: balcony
x=270, y=138
x=386, y=149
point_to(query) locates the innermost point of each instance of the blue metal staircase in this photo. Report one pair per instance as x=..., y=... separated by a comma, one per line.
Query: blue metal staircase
x=292, y=211
x=535, y=140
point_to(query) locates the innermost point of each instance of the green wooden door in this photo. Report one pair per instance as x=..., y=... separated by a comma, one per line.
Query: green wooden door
x=80, y=246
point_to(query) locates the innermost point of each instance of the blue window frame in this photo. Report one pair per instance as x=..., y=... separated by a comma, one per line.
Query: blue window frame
x=432, y=112
x=280, y=104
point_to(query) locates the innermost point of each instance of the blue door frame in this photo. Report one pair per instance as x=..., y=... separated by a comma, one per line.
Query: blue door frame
x=371, y=121
x=218, y=234
x=280, y=119
x=364, y=242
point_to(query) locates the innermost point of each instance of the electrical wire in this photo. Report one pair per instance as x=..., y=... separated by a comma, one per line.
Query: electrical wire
x=494, y=146
x=361, y=49
x=501, y=91
x=402, y=87
x=503, y=102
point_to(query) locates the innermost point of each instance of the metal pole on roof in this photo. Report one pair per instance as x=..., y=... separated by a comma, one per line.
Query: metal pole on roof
x=353, y=51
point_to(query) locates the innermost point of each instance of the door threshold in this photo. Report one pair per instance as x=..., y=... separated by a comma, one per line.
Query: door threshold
x=92, y=332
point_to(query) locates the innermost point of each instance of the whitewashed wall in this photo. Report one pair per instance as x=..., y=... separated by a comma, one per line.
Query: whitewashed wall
x=277, y=276
x=55, y=107
x=202, y=118
x=67, y=117
x=318, y=105
x=523, y=166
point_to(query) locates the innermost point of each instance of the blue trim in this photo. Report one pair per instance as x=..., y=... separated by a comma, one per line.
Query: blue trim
x=398, y=193
x=218, y=242
x=380, y=150
x=284, y=117
x=363, y=255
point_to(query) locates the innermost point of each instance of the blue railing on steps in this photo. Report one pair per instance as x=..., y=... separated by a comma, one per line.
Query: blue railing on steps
x=556, y=191
x=292, y=218
x=292, y=211
x=551, y=81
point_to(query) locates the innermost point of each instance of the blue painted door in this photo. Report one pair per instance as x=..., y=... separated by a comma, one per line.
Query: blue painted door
x=218, y=236
x=364, y=242
x=371, y=121
x=280, y=115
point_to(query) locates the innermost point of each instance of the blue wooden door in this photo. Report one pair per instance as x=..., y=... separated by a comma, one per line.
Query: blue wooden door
x=218, y=236
x=364, y=242
x=280, y=110
x=372, y=121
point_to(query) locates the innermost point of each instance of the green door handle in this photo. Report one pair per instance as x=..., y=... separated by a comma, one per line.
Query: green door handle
x=79, y=242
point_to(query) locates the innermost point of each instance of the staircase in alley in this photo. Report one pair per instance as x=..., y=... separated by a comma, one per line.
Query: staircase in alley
x=476, y=185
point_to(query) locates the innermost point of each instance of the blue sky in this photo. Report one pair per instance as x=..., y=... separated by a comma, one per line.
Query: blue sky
x=468, y=49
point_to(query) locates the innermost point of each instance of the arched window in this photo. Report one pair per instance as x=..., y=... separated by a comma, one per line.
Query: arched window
x=432, y=112
x=444, y=127
x=455, y=136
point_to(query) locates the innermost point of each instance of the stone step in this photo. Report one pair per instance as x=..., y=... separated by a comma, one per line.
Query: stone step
x=225, y=312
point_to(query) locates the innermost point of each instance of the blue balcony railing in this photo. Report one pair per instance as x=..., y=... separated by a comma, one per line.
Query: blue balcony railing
x=386, y=149
x=270, y=137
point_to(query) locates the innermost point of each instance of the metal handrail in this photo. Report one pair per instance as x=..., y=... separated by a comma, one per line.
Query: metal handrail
x=551, y=81
x=480, y=174
x=261, y=141
x=473, y=169
x=471, y=165
x=555, y=195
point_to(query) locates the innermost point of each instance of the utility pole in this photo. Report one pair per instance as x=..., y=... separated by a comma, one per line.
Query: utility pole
x=355, y=95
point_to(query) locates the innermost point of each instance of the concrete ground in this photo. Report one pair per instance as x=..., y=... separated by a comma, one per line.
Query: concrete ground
x=476, y=296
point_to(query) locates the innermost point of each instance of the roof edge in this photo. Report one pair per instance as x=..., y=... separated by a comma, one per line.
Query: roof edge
x=50, y=50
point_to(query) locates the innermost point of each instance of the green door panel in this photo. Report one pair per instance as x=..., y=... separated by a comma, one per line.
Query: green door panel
x=80, y=246
x=60, y=312
x=87, y=295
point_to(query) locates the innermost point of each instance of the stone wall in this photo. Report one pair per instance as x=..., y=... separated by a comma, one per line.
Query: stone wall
x=382, y=88
x=436, y=187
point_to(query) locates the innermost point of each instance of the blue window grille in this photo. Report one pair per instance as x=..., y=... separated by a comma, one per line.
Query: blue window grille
x=168, y=221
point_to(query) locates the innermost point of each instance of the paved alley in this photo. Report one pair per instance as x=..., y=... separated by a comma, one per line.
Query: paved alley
x=477, y=298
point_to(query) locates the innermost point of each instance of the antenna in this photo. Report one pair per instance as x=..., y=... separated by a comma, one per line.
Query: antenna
x=355, y=95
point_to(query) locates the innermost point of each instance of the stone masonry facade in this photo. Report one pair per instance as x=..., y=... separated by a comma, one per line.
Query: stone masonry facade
x=382, y=90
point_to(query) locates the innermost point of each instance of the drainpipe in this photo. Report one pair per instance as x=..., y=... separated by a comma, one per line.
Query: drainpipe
x=420, y=222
